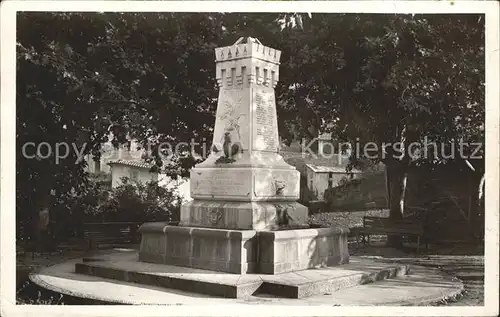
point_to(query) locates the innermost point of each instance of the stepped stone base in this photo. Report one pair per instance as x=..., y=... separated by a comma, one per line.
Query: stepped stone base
x=246, y=251
x=126, y=268
x=242, y=215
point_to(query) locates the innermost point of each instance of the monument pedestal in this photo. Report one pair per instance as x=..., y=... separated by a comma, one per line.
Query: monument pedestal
x=294, y=250
x=244, y=193
x=240, y=183
x=243, y=251
x=230, y=251
x=245, y=215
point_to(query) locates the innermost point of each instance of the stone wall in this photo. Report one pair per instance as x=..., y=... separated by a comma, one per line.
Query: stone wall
x=444, y=198
x=367, y=192
x=142, y=175
x=370, y=191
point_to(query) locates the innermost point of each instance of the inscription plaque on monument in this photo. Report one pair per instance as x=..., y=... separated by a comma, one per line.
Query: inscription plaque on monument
x=220, y=182
x=264, y=119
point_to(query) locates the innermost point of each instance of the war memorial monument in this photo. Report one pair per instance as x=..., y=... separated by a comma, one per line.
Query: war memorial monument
x=244, y=236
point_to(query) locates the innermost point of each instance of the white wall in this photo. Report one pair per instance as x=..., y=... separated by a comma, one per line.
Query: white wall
x=320, y=184
x=110, y=153
x=310, y=179
x=118, y=171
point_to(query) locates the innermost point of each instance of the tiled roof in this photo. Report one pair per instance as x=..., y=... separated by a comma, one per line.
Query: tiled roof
x=132, y=163
x=329, y=169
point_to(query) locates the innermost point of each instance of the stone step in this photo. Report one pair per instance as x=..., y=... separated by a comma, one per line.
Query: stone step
x=326, y=286
x=222, y=288
x=300, y=284
x=423, y=286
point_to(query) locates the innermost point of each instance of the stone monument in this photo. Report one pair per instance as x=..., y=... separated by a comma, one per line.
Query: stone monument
x=245, y=184
x=245, y=217
x=243, y=236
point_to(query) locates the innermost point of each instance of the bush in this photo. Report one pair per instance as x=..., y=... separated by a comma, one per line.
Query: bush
x=135, y=202
x=71, y=210
x=96, y=201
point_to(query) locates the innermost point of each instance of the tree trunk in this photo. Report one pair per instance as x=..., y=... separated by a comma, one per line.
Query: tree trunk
x=479, y=210
x=41, y=201
x=387, y=187
x=476, y=212
x=397, y=177
x=481, y=191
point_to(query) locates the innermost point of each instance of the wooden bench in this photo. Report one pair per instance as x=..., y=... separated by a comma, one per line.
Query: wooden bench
x=96, y=233
x=386, y=226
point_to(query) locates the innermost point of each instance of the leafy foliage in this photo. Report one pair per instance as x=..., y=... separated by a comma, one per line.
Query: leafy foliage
x=390, y=77
x=379, y=78
x=138, y=202
x=130, y=202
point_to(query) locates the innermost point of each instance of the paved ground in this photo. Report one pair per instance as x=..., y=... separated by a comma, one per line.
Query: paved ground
x=453, y=260
x=465, y=262
x=424, y=286
x=128, y=261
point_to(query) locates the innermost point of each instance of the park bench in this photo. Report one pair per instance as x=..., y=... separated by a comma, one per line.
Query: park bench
x=386, y=226
x=98, y=233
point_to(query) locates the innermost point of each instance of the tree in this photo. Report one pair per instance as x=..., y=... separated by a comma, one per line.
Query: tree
x=395, y=79
x=380, y=78
x=148, y=75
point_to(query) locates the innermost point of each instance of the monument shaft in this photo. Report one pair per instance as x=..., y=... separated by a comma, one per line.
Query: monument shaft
x=247, y=74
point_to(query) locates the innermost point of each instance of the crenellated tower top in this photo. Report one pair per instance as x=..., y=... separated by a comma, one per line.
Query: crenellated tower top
x=247, y=62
